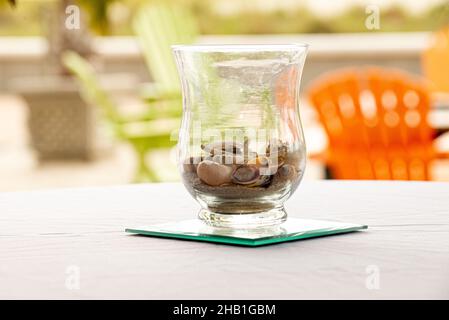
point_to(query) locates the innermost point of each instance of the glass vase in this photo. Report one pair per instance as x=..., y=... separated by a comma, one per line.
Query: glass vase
x=241, y=149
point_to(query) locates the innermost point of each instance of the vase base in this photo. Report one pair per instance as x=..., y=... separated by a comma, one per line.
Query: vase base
x=247, y=220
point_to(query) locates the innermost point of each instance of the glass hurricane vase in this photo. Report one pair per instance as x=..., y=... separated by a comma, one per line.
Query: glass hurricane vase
x=241, y=149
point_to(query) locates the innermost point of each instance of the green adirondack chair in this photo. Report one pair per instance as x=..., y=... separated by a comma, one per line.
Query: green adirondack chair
x=157, y=27
x=145, y=134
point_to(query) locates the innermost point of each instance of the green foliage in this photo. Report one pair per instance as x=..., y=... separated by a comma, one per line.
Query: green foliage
x=21, y=19
x=25, y=20
x=301, y=20
x=98, y=12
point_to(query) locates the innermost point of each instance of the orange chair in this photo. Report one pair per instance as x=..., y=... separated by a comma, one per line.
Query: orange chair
x=376, y=123
x=435, y=61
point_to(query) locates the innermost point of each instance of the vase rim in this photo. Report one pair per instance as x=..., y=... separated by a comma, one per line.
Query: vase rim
x=239, y=47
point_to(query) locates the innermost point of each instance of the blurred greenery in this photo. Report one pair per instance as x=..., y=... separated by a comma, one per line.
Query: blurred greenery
x=302, y=20
x=25, y=18
x=98, y=11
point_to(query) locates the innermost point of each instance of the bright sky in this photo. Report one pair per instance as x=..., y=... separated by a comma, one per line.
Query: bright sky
x=320, y=7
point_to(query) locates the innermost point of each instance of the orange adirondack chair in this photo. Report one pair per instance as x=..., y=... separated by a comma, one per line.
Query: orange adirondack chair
x=376, y=123
x=435, y=61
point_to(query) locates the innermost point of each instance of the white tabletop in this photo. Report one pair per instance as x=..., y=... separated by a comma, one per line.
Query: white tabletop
x=71, y=244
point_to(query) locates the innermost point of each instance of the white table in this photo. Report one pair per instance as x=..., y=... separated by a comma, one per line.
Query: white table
x=71, y=244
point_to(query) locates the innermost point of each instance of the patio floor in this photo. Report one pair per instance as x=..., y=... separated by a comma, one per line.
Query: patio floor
x=20, y=170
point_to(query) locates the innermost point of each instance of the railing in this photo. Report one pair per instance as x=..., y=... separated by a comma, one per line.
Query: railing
x=26, y=56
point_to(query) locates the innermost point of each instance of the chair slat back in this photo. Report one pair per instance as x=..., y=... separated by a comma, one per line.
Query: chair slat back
x=90, y=86
x=158, y=27
x=376, y=122
x=435, y=61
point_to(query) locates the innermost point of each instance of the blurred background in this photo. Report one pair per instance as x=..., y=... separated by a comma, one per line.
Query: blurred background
x=88, y=95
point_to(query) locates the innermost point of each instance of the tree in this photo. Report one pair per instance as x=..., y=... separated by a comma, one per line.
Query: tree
x=61, y=37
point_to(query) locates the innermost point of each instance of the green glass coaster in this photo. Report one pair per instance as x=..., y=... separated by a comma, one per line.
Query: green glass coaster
x=292, y=229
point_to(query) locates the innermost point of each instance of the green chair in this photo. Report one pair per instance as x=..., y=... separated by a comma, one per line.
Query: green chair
x=144, y=134
x=157, y=27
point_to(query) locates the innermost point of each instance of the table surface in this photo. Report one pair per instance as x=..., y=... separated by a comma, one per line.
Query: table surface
x=71, y=244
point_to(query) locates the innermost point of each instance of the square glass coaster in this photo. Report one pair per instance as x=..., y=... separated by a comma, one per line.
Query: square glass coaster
x=292, y=229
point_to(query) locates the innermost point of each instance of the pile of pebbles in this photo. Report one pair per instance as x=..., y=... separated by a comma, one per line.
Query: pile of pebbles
x=230, y=170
